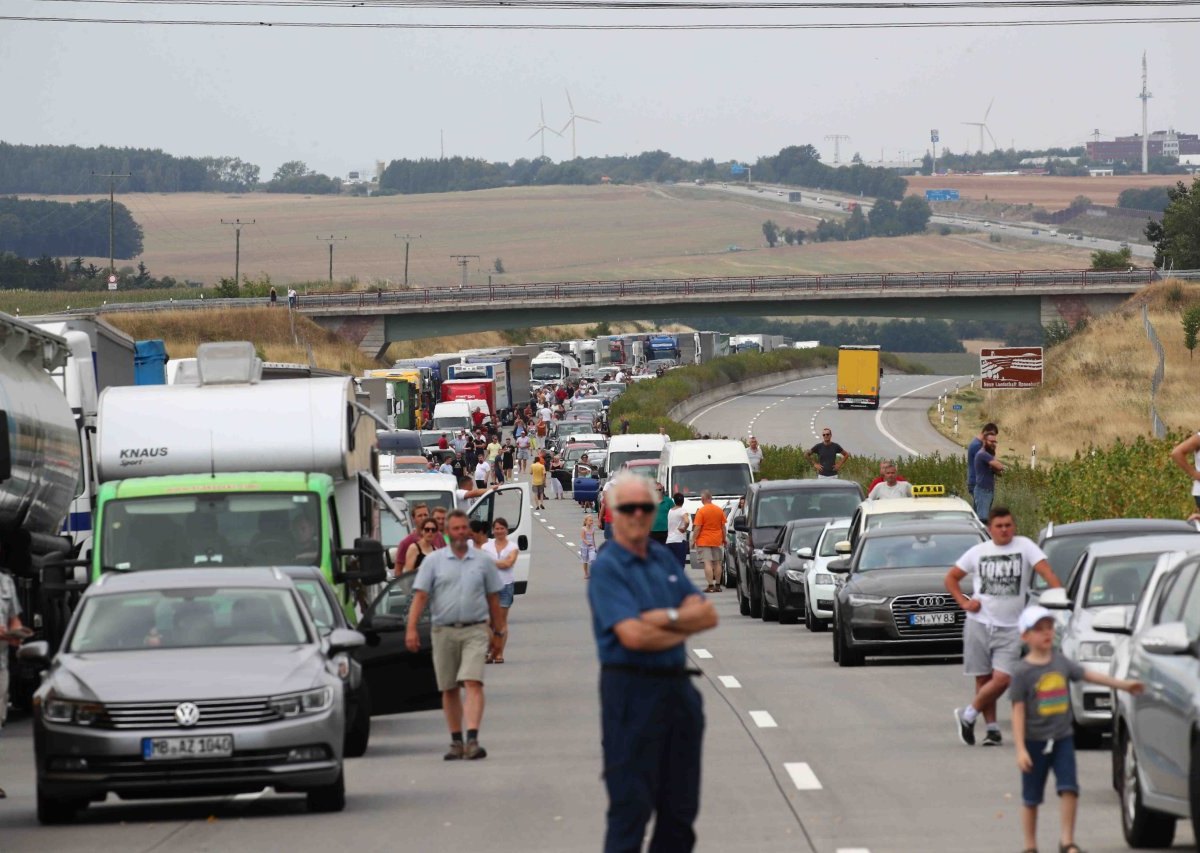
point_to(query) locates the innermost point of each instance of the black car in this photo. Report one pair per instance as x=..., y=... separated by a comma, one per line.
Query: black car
x=894, y=598
x=769, y=506
x=1065, y=543
x=783, y=569
x=401, y=442
x=400, y=680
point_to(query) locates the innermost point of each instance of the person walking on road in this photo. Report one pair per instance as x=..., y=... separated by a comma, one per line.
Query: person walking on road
x=587, y=544
x=708, y=532
x=677, y=530
x=972, y=449
x=644, y=608
x=755, y=454
x=987, y=468
x=462, y=587
x=824, y=456
x=1001, y=570
x=661, y=527
x=892, y=486
x=505, y=553
x=1042, y=729
x=537, y=479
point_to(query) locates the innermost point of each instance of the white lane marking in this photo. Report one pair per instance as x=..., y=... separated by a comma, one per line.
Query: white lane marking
x=560, y=536
x=729, y=681
x=703, y=654
x=802, y=776
x=879, y=412
x=692, y=420
x=550, y=528
x=764, y=720
x=570, y=544
x=853, y=850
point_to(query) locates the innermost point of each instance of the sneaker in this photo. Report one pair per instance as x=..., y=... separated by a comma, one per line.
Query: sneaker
x=456, y=751
x=992, y=738
x=966, y=731
x=474, y=751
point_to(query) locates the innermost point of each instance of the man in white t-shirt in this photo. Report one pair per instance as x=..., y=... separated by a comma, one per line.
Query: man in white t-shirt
x=1001, y=571
x=545, y=414
x=891, y=487
x=754, y=453
x=481, y=473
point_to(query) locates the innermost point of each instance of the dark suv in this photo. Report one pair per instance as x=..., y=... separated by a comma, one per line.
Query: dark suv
x=769, y=506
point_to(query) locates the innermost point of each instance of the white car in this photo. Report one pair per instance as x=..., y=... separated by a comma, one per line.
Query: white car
x=889, y=511
x=1109, y=575
x=820, y=585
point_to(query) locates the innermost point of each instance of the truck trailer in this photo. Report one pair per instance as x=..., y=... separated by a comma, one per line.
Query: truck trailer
x=858, y=377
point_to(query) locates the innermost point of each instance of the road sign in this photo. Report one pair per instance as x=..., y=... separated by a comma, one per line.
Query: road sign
x=957, y=407
x=933, y=135
x=112, y=282
x=737, y=169
x=1011, y=367
x=941, y=195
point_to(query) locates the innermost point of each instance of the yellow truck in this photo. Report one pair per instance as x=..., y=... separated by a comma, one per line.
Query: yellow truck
x=858, y=377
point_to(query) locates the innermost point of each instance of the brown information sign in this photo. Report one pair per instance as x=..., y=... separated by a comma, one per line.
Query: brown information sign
x=1011, y=367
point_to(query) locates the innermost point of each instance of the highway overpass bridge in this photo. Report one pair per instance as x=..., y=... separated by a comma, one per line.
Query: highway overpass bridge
x=374, y=320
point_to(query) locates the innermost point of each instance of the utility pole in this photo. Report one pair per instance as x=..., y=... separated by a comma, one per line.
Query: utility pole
x=406, y=238
x=837, y=139
x=933, y=140
x=331, y=240
x=237, y=247
x=1145, y=96
x=462, y=261
x=112, y=188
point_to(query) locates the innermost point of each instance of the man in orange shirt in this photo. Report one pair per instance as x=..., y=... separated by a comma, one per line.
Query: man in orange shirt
x=708, y=539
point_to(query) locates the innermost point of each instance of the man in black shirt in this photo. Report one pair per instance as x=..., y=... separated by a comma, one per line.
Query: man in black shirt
x=825, y=455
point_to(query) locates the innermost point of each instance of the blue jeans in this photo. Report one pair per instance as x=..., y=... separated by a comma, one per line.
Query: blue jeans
x=506, y=595
x=983, y=502
x=1061, y=757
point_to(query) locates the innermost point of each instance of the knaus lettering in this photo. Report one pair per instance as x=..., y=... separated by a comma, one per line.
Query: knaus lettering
x=136, y=455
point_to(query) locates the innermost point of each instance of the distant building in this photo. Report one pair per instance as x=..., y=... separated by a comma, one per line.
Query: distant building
x=1160, y=143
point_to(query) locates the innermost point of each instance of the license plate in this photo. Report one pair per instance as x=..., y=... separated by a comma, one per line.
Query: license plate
x=206, y=746
x=931, y=619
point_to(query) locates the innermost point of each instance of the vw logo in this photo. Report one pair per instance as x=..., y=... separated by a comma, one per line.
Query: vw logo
x=187, y=714
x=927, y=601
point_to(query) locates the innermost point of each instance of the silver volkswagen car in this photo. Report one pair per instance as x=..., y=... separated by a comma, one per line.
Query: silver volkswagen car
x=189, y=682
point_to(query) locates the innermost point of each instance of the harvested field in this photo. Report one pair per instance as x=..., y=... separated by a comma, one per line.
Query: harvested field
x=1050, y=192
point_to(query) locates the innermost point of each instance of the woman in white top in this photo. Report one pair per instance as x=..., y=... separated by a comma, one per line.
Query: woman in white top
x=505, y=554
x=677, y=530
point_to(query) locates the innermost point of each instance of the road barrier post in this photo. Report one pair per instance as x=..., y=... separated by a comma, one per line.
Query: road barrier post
x=956, y=424
x=1032, y=457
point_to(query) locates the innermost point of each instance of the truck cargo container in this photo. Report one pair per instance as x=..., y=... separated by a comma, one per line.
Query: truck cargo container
x=858, y=377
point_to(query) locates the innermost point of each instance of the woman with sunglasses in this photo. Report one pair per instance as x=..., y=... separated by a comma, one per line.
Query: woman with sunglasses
x=423, y=547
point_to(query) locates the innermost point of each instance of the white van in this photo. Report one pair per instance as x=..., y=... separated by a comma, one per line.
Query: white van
x=719, y=465
x=456, y=414
x=644, y=445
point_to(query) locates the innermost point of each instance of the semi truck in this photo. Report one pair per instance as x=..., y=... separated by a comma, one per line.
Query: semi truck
x=585, y=352
x=233, y=471
x=394, y=396
x=756, y=343
x=709, y=345
x=858, y=377
x=663, y=348
x=553, y=368
x=471, y=390
x=494, y=372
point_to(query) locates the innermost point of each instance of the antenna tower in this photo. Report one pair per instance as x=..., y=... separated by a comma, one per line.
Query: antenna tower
x=1145, y=96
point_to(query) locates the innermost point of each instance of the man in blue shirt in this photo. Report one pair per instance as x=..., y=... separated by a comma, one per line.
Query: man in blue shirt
x=986, y=467
x=643, y=610
x=972, y=449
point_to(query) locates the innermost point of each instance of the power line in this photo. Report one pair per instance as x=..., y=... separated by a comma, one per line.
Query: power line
x=237, y=247
x=331, y=240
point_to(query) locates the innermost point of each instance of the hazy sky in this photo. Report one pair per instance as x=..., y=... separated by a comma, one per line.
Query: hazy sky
x=342, y=99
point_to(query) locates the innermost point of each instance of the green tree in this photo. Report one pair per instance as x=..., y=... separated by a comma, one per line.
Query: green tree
x=1080, y=202
x=856, y=225
x=914, y=213
x=498, y=266
x=885, y=222
x=291, y=169
x=771, y=232
x=857, y=159
x=1176, y=238
x=1118, y=260
x=789, y=235
x=228, y=289
x=1191, y=328
x=799, y=236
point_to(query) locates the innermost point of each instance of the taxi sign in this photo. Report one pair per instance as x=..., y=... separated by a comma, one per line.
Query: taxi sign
x=929, y=491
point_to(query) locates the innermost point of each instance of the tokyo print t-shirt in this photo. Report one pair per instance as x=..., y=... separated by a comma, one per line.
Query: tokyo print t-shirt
x=1001, y=574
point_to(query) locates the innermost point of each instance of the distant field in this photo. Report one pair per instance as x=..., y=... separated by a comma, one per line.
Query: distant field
x=1052, y=193
x=541, y=233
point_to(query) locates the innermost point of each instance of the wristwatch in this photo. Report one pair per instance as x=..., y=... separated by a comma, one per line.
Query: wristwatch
x=672, y=615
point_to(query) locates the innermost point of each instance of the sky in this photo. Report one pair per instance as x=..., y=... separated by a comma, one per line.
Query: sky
x=341, y=99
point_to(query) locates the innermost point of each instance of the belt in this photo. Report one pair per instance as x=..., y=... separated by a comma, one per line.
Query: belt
x=652, y=671
x=460, y=624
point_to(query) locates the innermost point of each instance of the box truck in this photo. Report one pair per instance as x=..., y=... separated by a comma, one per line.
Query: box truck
x=858, y=377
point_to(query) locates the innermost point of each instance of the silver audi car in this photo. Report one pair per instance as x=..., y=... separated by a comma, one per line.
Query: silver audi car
x=189, y=682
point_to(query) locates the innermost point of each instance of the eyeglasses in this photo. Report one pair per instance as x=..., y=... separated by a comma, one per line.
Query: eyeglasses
x=429, y=530
x=824, y=434
x=630, y=509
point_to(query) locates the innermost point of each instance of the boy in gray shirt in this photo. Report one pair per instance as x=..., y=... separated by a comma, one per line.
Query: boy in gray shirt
x=1042, y=723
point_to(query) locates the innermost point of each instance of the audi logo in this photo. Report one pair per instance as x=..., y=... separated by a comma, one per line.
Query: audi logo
x=187, y=714
x=932, y=601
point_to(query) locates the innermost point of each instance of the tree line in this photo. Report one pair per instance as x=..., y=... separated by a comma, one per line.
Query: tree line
x=800, y=165
x=47, y=273
x=886, y=219
x=924, y=335
x=30, y=228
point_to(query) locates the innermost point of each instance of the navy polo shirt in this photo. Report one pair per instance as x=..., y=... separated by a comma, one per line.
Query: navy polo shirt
x=623, y=586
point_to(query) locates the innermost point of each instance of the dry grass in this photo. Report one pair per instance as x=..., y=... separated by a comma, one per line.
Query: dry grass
x=1097, y=386
x=1050, y=192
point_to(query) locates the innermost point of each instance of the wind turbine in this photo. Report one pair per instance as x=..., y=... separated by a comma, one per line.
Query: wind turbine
x=571, y=122
x=982, y=125
x=542, y=128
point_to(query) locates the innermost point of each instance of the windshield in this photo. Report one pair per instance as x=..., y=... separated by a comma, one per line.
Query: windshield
x=606, y=387
x=887, y=519
x=590, y=404
x=725, y=480
x=1063, y=552
x=566, y=428
x=588, y=356
x=620, y=457
x=1119, y=580
x=188, y=618
x=924, y=550
x=778, y=508
x=317, y=602
x=804, y=536
x=834, y=536
x=546, y=372
x=445, y=422
x=235, y=529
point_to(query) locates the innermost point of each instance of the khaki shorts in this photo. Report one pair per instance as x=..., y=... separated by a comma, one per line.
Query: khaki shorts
x=459, y=654
x=988, y=648
x=709, y=554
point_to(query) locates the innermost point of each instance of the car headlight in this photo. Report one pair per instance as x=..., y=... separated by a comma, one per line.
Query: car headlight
x=72, y=712
x=859, y=600
x=794, y=575
x=1096, y=650
x=823, y=579
x=308, y=702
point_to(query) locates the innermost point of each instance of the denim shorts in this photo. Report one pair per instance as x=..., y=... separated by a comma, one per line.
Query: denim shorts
x=506, y=595
x=1061, y=757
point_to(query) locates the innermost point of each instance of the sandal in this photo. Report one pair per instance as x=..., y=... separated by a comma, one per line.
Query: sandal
x=1070, y=848
x=497, y=660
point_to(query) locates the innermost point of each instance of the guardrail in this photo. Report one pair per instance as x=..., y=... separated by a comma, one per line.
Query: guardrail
x=683, y=288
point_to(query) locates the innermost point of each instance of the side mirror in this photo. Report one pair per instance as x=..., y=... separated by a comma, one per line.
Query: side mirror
x=770, y=549
x=343, y=640
x=1111, y=620
x=37, y=652
x=805, y=552
x=1055, y=599
x=842, y=547
x=1168, y=639
x=839, y=567
x=741, y=525
x=372, y=568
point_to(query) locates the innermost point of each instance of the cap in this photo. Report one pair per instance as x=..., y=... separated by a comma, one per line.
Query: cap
x=1031, y=615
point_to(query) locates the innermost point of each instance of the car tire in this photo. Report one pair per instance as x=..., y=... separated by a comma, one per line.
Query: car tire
x=743, y=601
x=55, y=812
x=328, y=798
x=756, y=603
x=1087, y=737
x=846, y=655
x=1142, y=827
x=1194, y=787
x=812, y=622
x=358, y=735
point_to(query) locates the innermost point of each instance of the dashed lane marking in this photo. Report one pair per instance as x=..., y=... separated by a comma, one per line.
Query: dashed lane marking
x=703, y=654
x=559, y=535
x=729, y=681
x=853, y=850
x=570, y=544
x=550, y=528
x=764, y=720
x=803, y=777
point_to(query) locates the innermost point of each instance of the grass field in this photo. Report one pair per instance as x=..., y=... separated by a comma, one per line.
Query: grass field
x=1050, y=192
x=541, y=233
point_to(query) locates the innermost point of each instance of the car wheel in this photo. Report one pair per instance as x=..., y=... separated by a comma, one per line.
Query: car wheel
x=1142, y=827
x=51, y=811
x=756, y=603
x=812, y=622
x=1087, y=738
x=358, y=735
x=1194, y=787
x=329, y=798
x=1118, y=753
x=770, y=613
x=743, y=601
x=846, y=655
x=837, y=649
